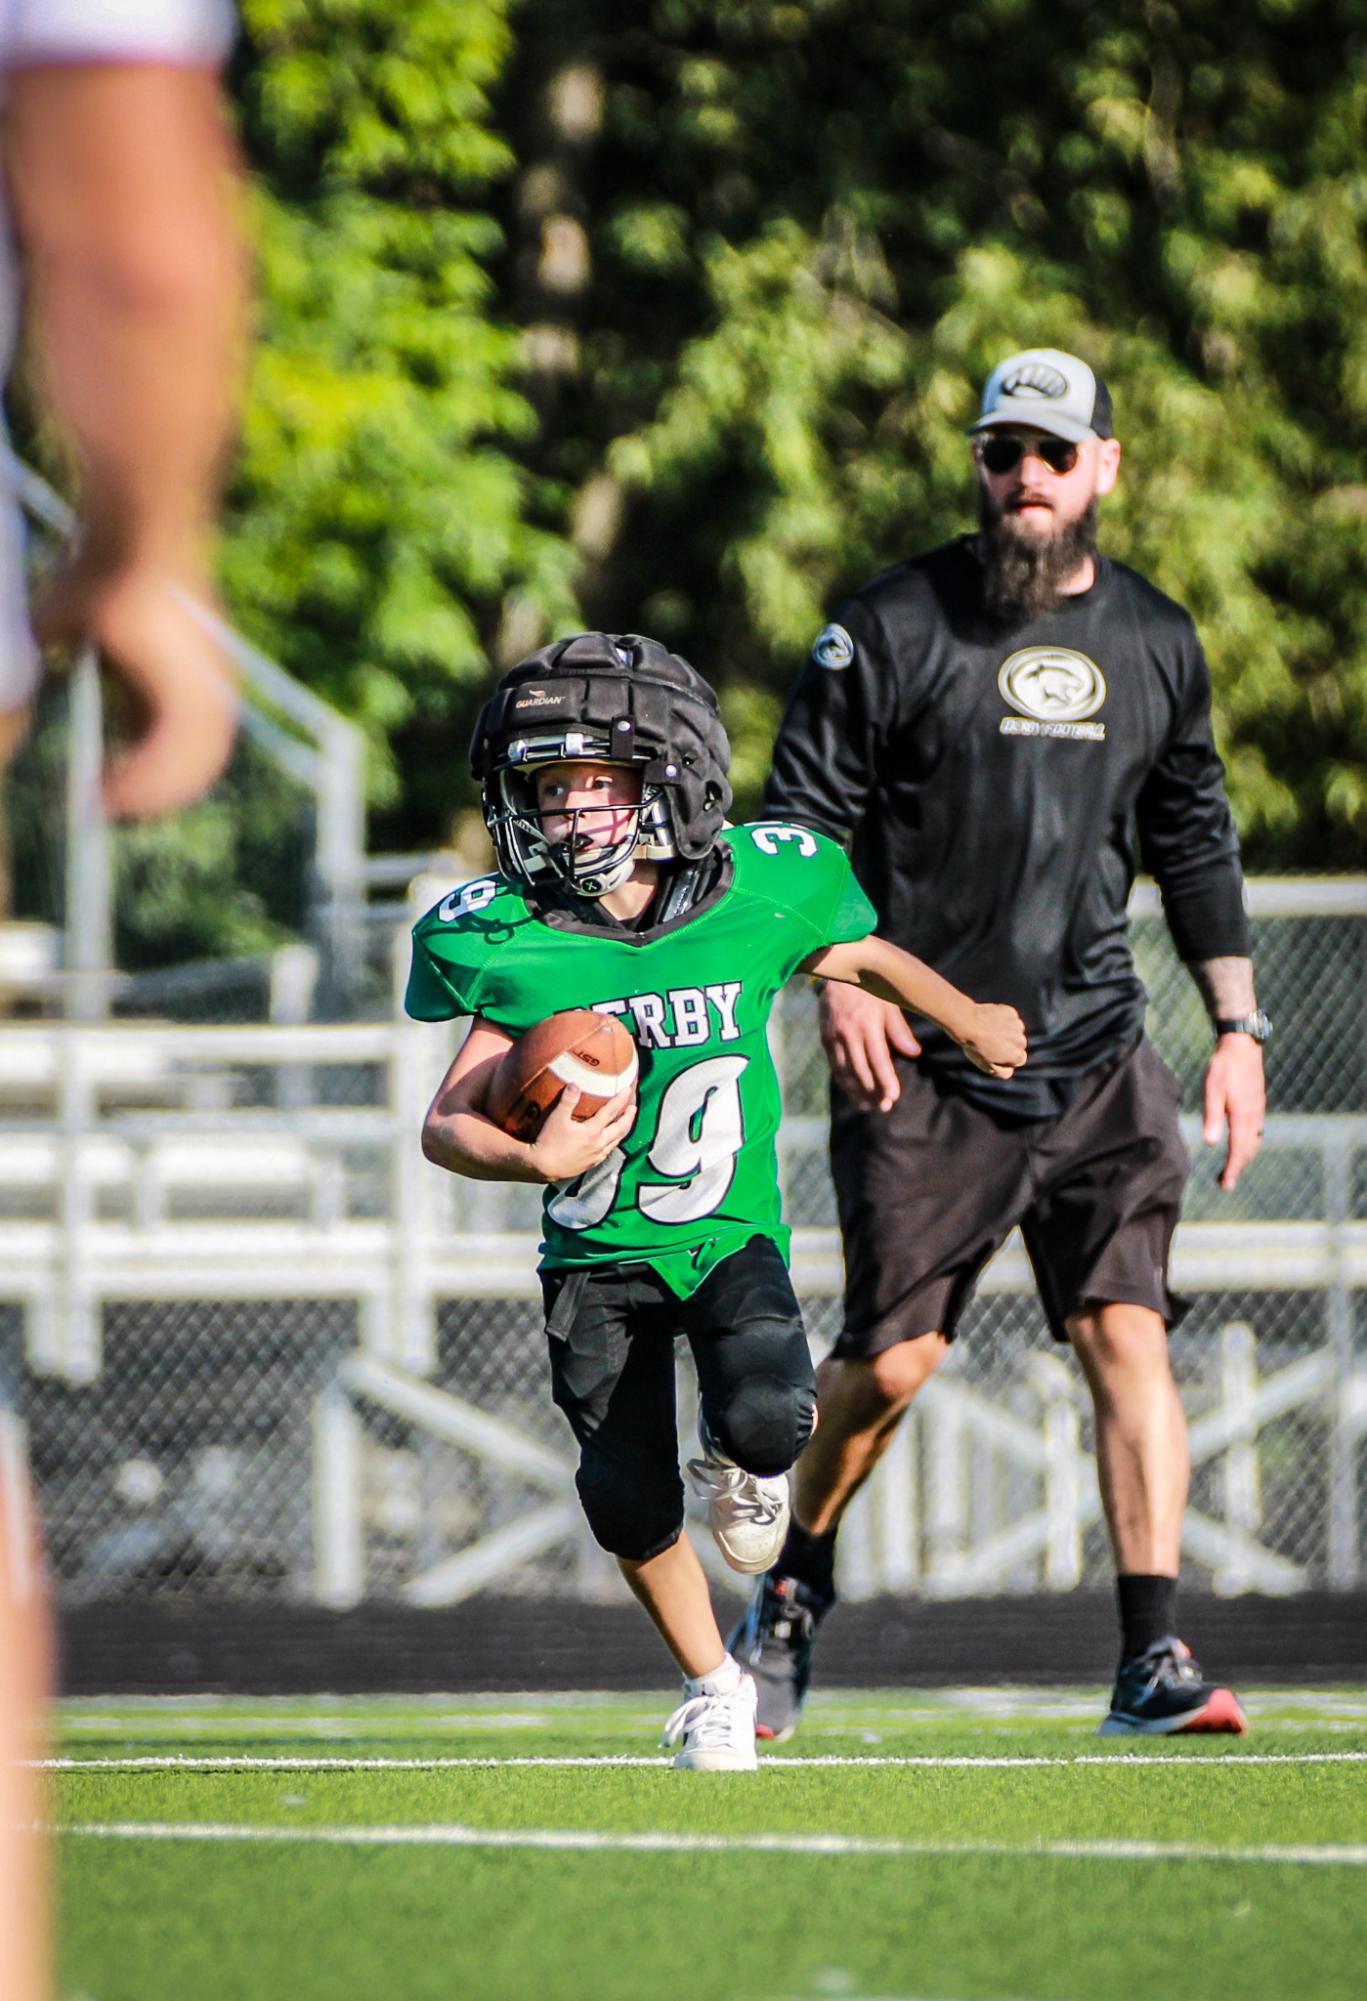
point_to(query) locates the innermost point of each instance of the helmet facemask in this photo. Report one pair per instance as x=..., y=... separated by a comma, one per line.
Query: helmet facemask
x=576, y=857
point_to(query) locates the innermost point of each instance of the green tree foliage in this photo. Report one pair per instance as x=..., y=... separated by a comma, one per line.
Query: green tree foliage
x=382, y=525
x=670, y=315
x=830, y=219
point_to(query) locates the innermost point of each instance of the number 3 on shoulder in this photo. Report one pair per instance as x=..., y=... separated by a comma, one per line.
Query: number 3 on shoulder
x=767, y=836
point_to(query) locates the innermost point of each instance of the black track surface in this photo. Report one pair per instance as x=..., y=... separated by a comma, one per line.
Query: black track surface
x=132, y=1648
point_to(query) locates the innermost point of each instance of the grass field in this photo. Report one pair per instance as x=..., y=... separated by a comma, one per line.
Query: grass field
x=907, y=1847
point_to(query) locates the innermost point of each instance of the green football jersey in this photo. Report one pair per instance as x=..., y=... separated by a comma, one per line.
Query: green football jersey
x=696, y=1177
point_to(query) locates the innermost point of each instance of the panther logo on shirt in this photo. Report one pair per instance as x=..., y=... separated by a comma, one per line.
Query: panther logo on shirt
x=1055, y=690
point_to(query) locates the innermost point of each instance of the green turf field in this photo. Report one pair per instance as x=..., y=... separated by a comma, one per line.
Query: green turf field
x=906, y=1847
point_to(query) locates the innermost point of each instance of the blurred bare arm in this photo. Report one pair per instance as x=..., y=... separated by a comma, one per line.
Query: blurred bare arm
x=124, y=192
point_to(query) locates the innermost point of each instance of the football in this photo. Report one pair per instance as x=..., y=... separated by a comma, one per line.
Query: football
x=577, y=1046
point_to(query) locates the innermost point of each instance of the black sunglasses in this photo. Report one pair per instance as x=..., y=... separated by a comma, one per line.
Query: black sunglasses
x=1003, y=454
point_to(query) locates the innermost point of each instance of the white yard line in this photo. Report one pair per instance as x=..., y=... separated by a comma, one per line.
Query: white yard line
x=174, y=1715
x=1225, y=1760
x=1352, y=1856
x=150, y=1724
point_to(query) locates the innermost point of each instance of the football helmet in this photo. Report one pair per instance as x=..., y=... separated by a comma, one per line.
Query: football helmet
x=614, y=698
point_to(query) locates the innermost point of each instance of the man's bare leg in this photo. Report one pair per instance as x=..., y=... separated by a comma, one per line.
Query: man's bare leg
x=1143, y=1463
x=861, y=1405
x=1144, y=1471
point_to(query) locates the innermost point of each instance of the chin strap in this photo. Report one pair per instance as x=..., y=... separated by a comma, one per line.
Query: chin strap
x=681, y=885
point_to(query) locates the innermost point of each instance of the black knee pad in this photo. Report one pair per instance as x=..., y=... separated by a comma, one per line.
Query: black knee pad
x=765, y=1423
x=634, y=1510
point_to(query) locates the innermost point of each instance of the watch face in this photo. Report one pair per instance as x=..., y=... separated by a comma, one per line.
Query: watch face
x=1257, y=1025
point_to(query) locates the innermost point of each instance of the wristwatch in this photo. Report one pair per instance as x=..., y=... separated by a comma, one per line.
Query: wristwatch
x=1257, y=1024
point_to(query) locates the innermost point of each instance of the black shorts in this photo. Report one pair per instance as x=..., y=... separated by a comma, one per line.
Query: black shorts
x=930, y=1190
x=611, y=1333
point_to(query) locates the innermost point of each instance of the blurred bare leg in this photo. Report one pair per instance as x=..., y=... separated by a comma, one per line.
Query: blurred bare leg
x=25, y=1966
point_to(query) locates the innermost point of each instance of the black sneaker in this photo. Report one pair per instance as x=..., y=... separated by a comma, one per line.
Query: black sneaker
x=774, y=1641
x=1161, y=1692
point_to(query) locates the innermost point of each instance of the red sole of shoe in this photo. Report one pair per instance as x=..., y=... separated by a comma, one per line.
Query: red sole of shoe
x=764, y=1733
x=1222, y=1712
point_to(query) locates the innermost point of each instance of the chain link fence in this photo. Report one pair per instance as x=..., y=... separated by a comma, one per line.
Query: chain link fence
x=255, y=1347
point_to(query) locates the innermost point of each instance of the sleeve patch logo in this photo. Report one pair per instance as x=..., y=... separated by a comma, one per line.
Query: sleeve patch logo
x=834, y=648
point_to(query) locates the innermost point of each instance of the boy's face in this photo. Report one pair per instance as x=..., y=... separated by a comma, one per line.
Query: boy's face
x=594, y=803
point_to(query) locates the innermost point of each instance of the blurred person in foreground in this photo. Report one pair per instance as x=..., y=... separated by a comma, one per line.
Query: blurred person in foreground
x=119, y=198
x=129, y=268
x=987, y=724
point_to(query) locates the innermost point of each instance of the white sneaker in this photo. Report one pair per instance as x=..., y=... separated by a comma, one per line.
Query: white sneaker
x=718, y=1731
x=748, y=1515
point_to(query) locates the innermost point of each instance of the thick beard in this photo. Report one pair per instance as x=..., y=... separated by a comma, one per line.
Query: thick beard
x=1023, y=573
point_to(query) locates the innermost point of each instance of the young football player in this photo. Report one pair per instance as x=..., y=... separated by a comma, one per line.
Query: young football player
x=621, y=888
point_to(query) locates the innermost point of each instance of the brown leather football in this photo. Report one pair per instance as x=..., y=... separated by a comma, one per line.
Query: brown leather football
x=577, y=1046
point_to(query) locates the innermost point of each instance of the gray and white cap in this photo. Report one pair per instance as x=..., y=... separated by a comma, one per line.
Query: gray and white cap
x=1050, y=390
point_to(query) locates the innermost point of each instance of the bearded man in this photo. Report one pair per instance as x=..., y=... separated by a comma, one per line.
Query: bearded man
x=988, y=725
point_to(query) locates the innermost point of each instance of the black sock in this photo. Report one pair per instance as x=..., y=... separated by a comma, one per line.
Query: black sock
x=809, y=1558
x=1148, y=1611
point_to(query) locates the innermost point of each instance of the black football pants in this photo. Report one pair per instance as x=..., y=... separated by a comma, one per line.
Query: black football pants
x=611, y=1334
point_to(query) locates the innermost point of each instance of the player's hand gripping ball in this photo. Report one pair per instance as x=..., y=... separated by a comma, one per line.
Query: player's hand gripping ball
x=592, y=1051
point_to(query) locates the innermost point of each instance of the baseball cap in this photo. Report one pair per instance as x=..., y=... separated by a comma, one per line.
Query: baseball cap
x=1050, y=390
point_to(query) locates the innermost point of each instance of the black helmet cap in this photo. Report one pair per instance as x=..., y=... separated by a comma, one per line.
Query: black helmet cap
x=617, y=697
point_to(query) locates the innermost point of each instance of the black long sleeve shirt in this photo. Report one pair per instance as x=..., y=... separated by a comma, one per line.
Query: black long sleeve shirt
x=990, y=785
